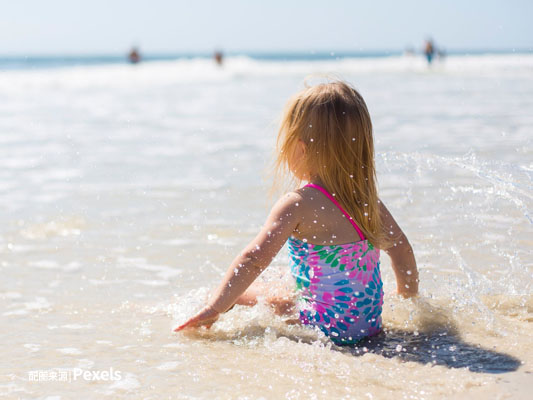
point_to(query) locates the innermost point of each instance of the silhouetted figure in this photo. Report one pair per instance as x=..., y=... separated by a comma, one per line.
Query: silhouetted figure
x=429, y=50
x=134, y=56
x=219, y=57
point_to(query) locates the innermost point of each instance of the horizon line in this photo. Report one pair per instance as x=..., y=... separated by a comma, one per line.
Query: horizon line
x=330, y=52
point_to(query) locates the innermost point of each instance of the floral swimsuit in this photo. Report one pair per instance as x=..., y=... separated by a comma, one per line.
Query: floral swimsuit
x=339, y=286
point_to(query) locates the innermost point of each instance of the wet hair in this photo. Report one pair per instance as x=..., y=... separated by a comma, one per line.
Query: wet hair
x=333, y=122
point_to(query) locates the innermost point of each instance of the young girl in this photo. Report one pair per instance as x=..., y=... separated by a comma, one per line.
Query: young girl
x=334, y=225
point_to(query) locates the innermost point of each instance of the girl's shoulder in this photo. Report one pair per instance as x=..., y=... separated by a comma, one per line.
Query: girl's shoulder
x=305, y=194
x=298, y=203
x=289, y=202
x=303, y=197
x=308, y=201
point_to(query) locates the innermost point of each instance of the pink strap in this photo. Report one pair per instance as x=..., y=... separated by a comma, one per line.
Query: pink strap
x=339, y=206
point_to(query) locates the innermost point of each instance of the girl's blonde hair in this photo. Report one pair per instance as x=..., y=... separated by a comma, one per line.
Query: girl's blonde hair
x=333, y=122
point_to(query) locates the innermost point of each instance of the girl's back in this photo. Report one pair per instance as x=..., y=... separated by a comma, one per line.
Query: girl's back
x=336, y=270
x=323, y=222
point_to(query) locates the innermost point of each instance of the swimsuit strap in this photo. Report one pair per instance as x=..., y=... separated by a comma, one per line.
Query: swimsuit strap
x=329, y=196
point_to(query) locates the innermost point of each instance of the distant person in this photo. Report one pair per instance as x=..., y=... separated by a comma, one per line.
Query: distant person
x=134, y=56
x=429, y=50
x=219, y=57
x=326, y=140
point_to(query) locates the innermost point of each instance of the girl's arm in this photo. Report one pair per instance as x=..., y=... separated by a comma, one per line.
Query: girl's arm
x=252, y=261
x=402, y=256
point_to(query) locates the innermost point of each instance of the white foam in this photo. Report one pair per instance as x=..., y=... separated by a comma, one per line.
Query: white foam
x=177, y=242
x=174, y=345
x=10, y=295
x=166, y=73
x=85, y=363
x=128, y=382
x=44, y=264
x=169, y=366
x=70, y=351
x=152, y=282
x=162, y=271
x=12, y=387
x=65, y=226
x=77, y=326
x=16, y=312
x=40, y=304
x=106, y=282
x=32, y=347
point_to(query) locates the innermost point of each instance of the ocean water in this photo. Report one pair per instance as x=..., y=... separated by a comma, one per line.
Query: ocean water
x=127, y=190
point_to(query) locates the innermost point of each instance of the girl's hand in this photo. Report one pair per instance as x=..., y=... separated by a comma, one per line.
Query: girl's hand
x=206, y=316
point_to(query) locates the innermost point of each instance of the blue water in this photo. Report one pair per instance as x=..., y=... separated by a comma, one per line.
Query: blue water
x=57, y=61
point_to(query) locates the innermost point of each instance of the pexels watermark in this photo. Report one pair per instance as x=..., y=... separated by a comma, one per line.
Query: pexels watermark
x=73, y=374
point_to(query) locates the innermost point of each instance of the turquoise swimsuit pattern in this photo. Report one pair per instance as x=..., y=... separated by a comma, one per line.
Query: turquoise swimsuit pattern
x=339, y=286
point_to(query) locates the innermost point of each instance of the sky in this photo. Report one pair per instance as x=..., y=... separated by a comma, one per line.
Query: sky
x=172, y=26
